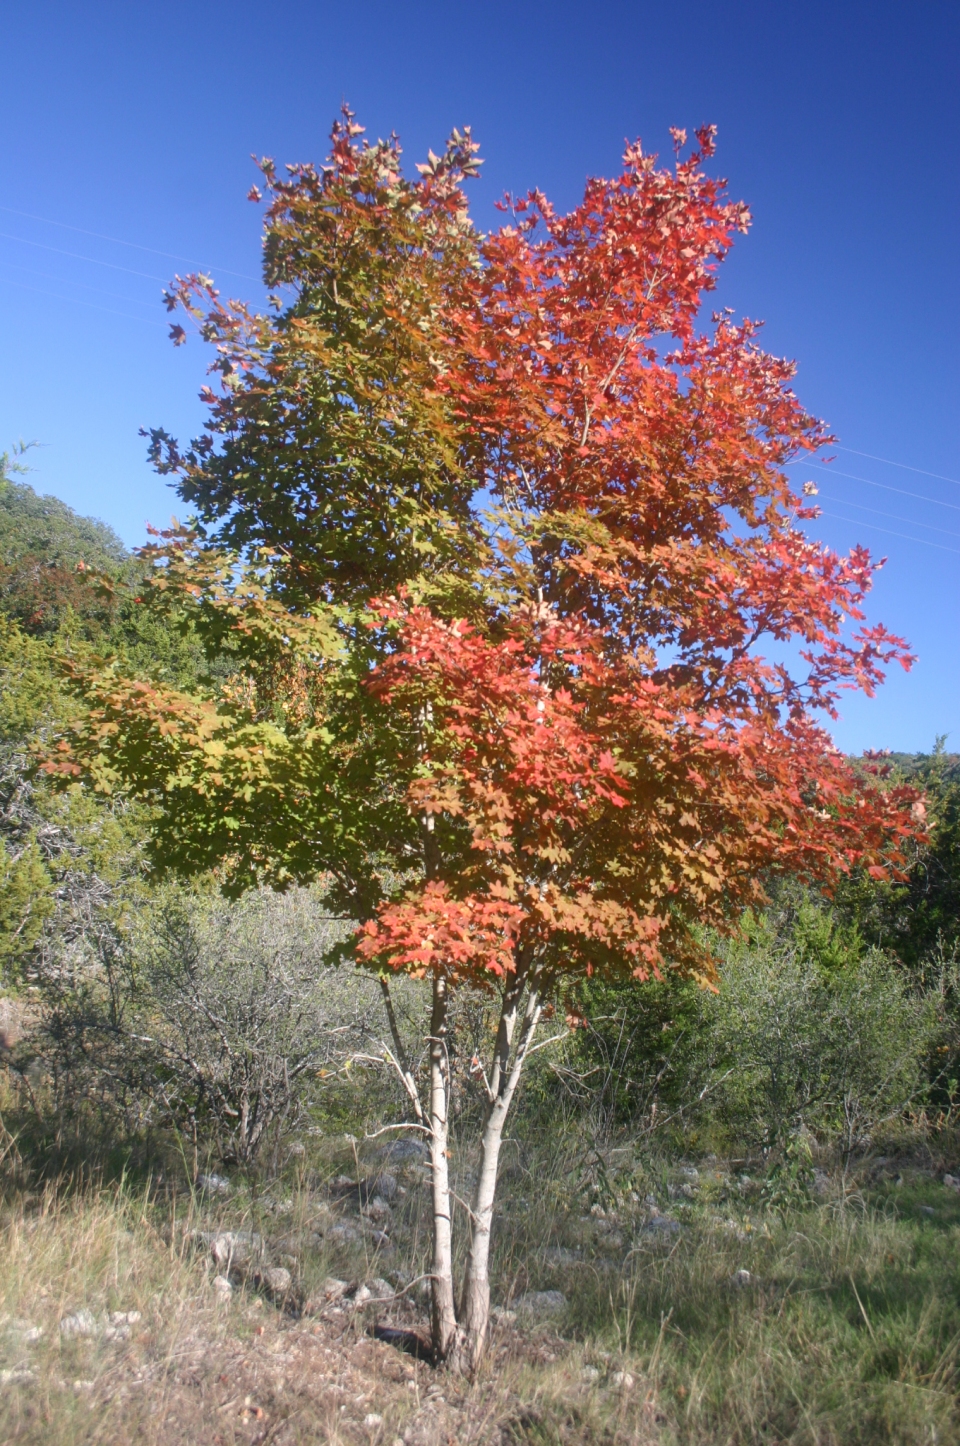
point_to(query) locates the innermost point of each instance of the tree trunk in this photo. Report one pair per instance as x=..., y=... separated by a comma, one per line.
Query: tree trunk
x=476, y=1288
x=443, y=1313
x=505, y=1078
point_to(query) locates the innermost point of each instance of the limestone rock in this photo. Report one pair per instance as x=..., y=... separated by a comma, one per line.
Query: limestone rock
x=213, y=1184
x=400, y=1150
x=540, y=1303
x=230, y=1248
x=343, y=1234
x=81, y=1323
x=277, y=1280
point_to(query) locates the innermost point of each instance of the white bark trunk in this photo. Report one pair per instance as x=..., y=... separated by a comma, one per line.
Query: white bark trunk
x=504, y=1081
x=443, y=1314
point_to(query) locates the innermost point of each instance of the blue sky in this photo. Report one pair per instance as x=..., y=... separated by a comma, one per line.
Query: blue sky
x=837, y=123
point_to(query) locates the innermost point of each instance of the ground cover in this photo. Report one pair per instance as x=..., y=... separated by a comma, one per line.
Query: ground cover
x=639, y=1299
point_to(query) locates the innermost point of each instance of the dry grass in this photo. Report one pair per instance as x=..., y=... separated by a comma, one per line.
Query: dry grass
x=195, y=1370
x=847, y=1330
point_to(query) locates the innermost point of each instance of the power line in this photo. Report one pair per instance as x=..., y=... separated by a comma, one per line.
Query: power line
x=146, y=275
x=923, y=541
x=82, y=231
x=87, y=286
x=77, y=301
x=894, y=517
x=939, y=475
x=917, y=496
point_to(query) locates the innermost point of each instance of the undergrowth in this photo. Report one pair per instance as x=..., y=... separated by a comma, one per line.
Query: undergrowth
x=832, y=1317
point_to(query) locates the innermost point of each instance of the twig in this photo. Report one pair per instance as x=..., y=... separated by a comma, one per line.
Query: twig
x=554, y=1039
x=399, y=1061
x=385, y=1129
x=853, y=1287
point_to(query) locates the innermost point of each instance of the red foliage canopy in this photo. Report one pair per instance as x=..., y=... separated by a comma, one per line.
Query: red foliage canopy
x=623, y=758
x=557, y=735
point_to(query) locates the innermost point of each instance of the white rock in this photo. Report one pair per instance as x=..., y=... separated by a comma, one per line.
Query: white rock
x=17, y=1376
x=124, y=1317
x=81, y=1323
x=741, y=1277
x=589, y=1374
x=230, y=1247
x=623, y=1380
x=560, y=1255
x=371, y=1420
x=541, y=1302
x=213, y=1184
x=277, y=1280
x=343, y=1234
x=222, y=1288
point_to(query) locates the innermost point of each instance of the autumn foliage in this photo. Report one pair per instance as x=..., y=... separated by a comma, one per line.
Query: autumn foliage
x=529, y=652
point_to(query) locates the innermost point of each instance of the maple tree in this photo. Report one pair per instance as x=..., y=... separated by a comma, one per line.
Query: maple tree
x=495, y=533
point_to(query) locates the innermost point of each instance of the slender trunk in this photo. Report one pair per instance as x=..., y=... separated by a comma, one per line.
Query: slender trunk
x=443, y=1314
x=476, y=1289
x=506, y=1077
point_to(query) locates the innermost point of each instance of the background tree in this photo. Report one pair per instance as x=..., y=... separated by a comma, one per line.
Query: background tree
x=523, y=745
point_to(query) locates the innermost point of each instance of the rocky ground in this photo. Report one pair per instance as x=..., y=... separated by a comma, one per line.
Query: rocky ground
x=690, y=1310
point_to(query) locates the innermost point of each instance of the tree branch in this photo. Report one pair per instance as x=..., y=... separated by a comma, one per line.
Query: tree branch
x=399, y=1060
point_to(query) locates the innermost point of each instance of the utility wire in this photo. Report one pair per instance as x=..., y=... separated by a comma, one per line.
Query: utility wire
x=893, y=516
x=939, y=475
x=82, y=231
x=917, y=496
x=92, y=260
x=87, y=285
x=77, y=301
x=146, y=275
x=923, y=541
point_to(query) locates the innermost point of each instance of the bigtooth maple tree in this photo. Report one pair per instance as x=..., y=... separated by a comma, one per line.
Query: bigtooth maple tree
x=524, y=743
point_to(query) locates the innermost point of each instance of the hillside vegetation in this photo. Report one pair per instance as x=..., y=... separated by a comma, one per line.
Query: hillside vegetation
x=727, y=1216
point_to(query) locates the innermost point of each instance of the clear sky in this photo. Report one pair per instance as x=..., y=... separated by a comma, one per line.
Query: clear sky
x=131, y=126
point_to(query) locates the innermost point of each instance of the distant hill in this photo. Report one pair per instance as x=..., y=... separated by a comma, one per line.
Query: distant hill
x=46, y=528
x=41, y=542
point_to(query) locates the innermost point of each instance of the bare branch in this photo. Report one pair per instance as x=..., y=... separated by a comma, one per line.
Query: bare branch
x=399, y=1060
x=385, y=1130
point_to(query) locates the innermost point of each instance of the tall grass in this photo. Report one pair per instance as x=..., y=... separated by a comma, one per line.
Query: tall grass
x=824, y=1320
